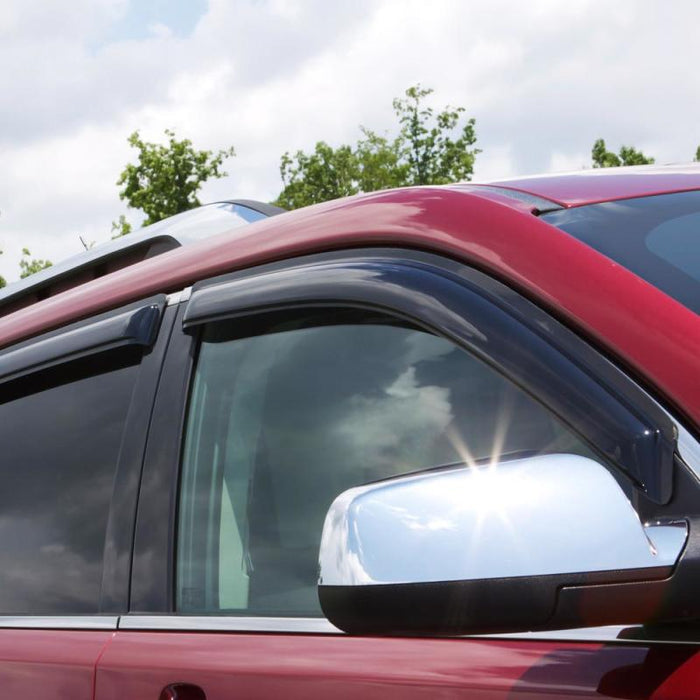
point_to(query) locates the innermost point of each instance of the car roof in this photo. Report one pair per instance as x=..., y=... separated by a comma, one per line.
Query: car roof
x=650, y=333
x=595, y=185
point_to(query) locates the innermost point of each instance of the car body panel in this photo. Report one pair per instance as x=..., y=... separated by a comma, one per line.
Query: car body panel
x=56, y=664
x=141, y=664
x=651, y=335
x=644, y=331
x=607, y=184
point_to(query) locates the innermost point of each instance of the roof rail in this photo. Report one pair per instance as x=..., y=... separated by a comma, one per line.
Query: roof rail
x=121, y=252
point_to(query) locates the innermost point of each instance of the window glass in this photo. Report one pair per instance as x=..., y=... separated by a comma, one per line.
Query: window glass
x=60, y=432
x=286, y=417
x=675, y=241
x=657, y=238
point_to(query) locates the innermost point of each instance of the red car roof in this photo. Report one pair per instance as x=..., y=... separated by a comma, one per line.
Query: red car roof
x=606, y=184
x=653, y=335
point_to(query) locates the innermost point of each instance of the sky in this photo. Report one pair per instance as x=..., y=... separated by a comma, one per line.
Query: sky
x=542, y=78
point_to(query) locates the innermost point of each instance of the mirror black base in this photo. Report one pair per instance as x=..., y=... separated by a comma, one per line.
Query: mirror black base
x=487, y=606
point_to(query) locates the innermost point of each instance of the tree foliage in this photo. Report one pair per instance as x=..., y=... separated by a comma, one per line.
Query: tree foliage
x=120, y=227
x=602, y=158
x=325, y=174
x=697, y=154
x=429, y=149
x=432, y=156
x=2, y=279
x=29, y=266
x=166, y=179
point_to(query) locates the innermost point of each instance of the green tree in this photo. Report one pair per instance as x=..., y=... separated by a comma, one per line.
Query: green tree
x=602, y=158
x=29, y=266
x=2, y=279
x=120, y=227
x=432, y=156
x=697, y=154
x=429, y=149
x=325, y=174
x=380, y=162
x=166, y=179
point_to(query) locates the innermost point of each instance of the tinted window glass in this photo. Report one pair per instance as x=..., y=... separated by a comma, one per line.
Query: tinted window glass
x=283, y=421
x=60, y=432
x=657, y=238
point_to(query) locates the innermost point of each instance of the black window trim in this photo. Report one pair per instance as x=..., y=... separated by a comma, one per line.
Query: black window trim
x=153, y=557
x=121, y=522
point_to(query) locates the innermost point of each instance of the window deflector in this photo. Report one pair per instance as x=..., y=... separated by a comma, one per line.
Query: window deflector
x=136, y=327
x=635, y=435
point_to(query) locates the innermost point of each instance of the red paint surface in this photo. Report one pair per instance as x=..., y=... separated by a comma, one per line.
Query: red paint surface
x=304, y=667
x=682, y=684
x=140, y=664
x=56, y=664
x=606, y=184
x=655, y=336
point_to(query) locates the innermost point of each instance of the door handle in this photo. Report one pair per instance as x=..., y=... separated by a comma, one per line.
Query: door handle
x=182, y=691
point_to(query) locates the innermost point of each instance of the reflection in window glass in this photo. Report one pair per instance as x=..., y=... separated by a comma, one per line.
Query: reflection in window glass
x=282, y=421
x=657, y=238
x=61, y=433
x=675, y=241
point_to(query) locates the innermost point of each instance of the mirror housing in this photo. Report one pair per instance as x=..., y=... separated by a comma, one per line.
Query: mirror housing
x=506, y=547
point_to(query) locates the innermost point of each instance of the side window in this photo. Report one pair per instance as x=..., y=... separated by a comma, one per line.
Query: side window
x=61, y=432
x=286, y=415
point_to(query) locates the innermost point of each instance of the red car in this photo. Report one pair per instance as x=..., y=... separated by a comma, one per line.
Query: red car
x=431, y=442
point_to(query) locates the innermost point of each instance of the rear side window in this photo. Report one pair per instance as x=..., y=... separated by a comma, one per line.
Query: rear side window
x=285, y=416
x=61, y=433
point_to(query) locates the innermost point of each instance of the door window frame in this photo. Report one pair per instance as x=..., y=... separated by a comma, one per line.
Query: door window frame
x=146, y=325
x=241, y=294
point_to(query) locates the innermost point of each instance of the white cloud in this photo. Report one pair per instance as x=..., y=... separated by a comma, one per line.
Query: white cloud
x=402, y=421
x=32, y=21
x=543, y=79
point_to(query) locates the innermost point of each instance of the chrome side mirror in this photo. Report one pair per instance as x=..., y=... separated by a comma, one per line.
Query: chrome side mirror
x=484, y=548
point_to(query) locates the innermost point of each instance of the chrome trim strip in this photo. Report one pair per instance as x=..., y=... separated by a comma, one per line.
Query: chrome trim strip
x=607, y=633
x=59, y=622
x=179, y=297
x=217, y=623
x=604, y=635
x=318, y=625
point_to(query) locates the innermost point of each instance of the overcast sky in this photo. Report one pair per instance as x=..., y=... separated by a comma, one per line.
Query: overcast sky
x=543, y=79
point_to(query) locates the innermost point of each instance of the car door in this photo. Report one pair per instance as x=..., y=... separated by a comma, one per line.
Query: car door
x=284, y=386
x=74, y=408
